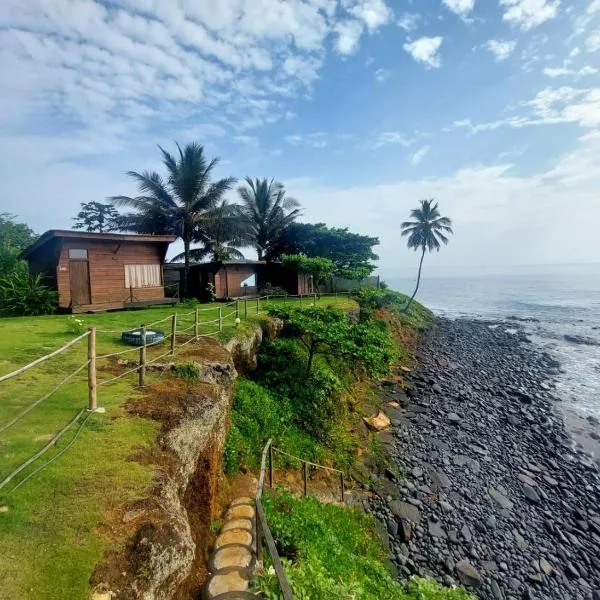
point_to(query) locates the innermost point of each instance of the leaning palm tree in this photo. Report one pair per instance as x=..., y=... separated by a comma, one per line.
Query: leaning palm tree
x=177, y=205
x=267, y=212
x=221, y=231
x=425, y=233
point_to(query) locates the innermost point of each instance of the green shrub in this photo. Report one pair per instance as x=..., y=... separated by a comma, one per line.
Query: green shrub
x=370, y=300
x=190, y=371
x=22, y=294
x=75, y=325
x=333, y=552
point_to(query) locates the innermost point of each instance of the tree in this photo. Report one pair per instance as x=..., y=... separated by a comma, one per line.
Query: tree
x=319, y=268
x=424, y=233
x=350, y=252
x=267, y=212
x=14, y=238
x=221, y=232
x=96, y=216
x=330, y=330
x=181, y=204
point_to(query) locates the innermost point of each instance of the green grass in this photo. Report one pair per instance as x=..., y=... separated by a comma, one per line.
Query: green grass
x=50, y=527
x=333, y=552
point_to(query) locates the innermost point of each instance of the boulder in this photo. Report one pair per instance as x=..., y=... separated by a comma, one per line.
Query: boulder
x=379, y=422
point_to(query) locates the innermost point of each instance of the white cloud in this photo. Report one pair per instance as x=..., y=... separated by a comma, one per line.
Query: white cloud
x=409, y=21
x=314, y=140
x=373, y=13
x=563, y=72
x=425, y=50
x=419, y=155
x=593, y=41
x=486, y=204
x=388, y=138
x=382, y=75
x=529, y=13
x=349, y=34
x=501, y=49
x=461, y=7
x=593, y=7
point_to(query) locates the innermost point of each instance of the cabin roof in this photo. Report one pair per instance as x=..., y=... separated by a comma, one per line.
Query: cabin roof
x=86, y=235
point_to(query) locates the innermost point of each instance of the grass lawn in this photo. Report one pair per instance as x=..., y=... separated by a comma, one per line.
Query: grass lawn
x=51, y=527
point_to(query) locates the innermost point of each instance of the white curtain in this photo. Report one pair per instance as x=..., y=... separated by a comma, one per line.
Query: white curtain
x=142, y=276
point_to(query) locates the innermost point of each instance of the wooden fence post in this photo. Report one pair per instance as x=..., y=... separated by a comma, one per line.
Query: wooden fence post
x=173, y=332
x=271, y=466
x=342, y=485
x=92, y=401
x=142, y=369
x=300, y=300
x=196, y=323
x=220, y=319
x=315, y=298
x=245, y=309
x=237, y=309
x=305, y=477
x=257, y=304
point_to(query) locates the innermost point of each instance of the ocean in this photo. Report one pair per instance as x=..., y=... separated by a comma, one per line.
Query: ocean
x=559, y=307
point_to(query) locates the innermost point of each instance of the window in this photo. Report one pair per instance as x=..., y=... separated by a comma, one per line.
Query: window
x=143, y=276
x=78, y=253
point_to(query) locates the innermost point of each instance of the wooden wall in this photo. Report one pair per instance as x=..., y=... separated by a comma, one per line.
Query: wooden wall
x=228, y=280
x=107, y=260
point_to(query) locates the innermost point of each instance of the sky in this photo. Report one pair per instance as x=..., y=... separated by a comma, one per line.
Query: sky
x=360, y=107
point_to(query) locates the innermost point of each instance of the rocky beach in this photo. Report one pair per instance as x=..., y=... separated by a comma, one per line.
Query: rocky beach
x=489, y=490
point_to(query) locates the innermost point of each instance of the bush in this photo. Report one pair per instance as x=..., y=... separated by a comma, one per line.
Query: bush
x=272, y=290
x=371, y=300
x=75, y=325
x=190, y=371
x=334, y=552
x=22, y=294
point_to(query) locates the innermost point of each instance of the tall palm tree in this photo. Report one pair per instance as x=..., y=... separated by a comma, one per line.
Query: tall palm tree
x=178, y=204
x=221, y=231
x=267, y=212
x=425, y=233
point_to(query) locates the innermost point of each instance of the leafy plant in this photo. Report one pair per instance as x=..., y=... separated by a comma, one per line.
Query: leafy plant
x=96, y=216
x=320, y=269
x=75, y=325
x=24, y=294
x=190, y=371
x=272, y=290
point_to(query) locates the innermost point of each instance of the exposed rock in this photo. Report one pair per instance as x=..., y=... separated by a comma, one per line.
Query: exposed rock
x=379, y=422
x=436, y=530
x=404, y=510
x=531, y=494
x=500, y=499
x=545, y=566
x=467, y=574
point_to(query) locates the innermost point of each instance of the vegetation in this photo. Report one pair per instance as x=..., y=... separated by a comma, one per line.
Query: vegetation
x=24, y=294
x=14, y=238
x=97, y=216
x=267, y=212
x=333, y=552
x=182, y=204
x=424, y=233
x=416, y=316
x=320, y=269
x=352, y=254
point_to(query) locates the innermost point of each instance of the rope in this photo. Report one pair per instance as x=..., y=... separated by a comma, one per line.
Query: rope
x=43, y=358
x=54, y=457
x=307, y=461
x=118, y=376
x=44, y=449
x=134, y=349
x=228, y=314
x=32, y=406
x=187, y=328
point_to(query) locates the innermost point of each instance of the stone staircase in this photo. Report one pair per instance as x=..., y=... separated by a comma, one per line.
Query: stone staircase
x=234, y=558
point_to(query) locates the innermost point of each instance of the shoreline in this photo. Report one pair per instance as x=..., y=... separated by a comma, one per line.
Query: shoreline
x=492, y=492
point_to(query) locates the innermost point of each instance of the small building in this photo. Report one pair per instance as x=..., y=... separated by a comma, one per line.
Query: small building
x=101, y=271
x=230, y=278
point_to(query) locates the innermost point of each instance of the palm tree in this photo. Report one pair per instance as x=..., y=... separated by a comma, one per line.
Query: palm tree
x=267, y=212
x=178, y=205
x=425, y=233
x=221, y=231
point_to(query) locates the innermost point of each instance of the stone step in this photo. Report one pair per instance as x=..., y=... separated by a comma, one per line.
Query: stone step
x=232, y=581
x=230, y=556
x=235, y=536
x=238, y=524
x=241, y=511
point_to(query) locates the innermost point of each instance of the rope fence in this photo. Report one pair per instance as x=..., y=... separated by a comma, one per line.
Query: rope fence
x=192, y=332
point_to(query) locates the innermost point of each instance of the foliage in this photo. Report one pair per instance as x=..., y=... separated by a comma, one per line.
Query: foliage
x=425, y=232
x=222, y=231
x=267, y=212
x=364, y=345
x=182, y=205
x=319, y=268
x=190, y=371
x=75, y=325
x=351, y=253
x=24, y=294
x=371, y=300
x=272, y=290
x=258, y=415
x=333, y=552
x=97, y=216
x=14, y=238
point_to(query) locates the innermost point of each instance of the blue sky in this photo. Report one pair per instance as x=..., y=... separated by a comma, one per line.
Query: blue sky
x=360, y=107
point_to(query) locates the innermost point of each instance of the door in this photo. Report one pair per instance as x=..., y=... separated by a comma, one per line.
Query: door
x=80, y=282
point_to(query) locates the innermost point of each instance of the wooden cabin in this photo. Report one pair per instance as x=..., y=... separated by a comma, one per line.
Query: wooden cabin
x=230, y=278
x=101, y=271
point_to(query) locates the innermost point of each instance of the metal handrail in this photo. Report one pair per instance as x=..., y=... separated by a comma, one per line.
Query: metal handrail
x=262, y=530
